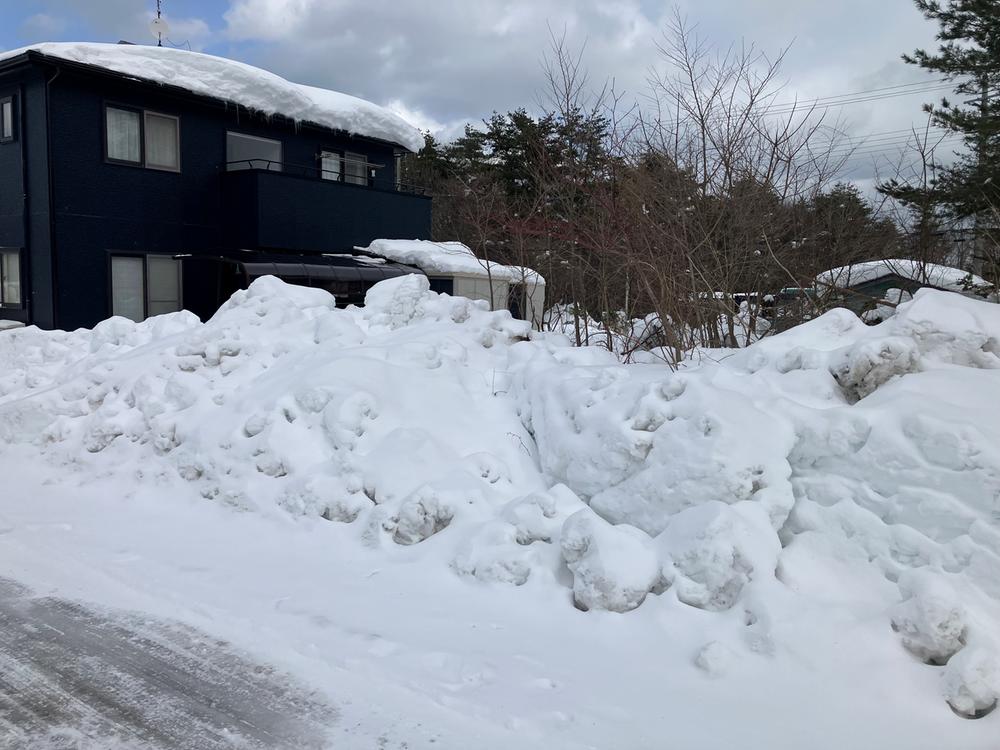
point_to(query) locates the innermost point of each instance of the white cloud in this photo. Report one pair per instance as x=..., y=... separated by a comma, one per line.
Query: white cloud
x=452, y=59
x=42, y=26
x=272, y=20
x=443, y=131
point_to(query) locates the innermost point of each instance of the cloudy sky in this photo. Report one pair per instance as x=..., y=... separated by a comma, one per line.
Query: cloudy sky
x=446, y=62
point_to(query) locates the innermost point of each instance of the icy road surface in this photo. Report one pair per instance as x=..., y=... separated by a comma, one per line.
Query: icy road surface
x=73, y=677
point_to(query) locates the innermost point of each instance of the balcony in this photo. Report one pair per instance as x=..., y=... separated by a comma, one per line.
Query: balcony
x=273, y=205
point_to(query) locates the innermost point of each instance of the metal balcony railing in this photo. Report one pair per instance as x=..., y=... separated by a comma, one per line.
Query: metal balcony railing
x=352, y=172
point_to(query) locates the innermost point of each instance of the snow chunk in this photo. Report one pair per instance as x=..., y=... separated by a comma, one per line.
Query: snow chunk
x=495, y=555
x=509, y=549
x=714, y=658
x=712, y=551
x=268, y=291
x=870, y=364
x=931, y=620
x=395, y=302
x=972, y=682
x=613, y=567
x=532, y=517
x=329, y=497
x=420, y=516
x=231, y=81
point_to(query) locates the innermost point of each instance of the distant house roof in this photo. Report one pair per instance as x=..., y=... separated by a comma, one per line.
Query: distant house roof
x=448, y=258
x=238, y=83
x=929, y=274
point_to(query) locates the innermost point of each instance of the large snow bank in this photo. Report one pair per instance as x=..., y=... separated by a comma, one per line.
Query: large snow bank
x=238, y=83
x=448, y=258
x=823, y=503
x=934, y=274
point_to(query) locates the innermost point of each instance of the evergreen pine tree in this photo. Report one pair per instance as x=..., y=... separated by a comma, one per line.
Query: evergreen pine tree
x=969, y=55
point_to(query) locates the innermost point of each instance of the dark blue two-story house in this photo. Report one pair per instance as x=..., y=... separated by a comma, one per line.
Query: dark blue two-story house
x=140, y=180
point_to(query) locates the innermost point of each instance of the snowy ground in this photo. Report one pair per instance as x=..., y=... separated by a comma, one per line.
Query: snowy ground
x=432, y=528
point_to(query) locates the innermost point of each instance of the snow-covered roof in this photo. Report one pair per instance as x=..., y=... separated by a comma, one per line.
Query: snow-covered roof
x=238, y=83
x=448, y=258
x=932, y=274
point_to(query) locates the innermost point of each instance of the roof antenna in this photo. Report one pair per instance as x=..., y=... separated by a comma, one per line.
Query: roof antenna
x=158, y=26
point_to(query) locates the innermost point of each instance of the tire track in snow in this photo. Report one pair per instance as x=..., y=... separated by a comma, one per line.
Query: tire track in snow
x=81, y=678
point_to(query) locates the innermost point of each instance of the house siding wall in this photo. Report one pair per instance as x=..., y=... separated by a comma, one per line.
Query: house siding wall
x=11, y=185
x=24, y=195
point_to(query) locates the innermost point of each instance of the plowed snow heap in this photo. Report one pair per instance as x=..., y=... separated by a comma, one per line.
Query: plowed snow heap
x=836, y=466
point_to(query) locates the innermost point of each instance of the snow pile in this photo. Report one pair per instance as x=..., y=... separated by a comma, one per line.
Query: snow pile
x=642, y=445
x=933, y=274
x=832, y=487
x=238, y=83
x=448, y=258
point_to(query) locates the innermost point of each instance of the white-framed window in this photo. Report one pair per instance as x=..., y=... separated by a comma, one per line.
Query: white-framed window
x=6, y=119
x=163, y=141
x=355, y=169
x=252, y=152
x=10, y=277
x=144, y=285
x=331, y=165
x=142, y=138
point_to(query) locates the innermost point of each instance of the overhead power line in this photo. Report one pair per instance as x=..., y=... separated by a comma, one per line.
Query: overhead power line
x=844, y=138
x=861, y=161
x=855, y=149
x=884, y=151
x=852, y=94
x=812, y=104
x=887, y=144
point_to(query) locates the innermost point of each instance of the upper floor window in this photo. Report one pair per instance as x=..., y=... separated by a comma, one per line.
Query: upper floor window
x=330, y=165
x=348, y=167
x=251, y=152
x=7, y=119
x=10, y=277
x=355, y=169
x=142, y=138
x=162, y=142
